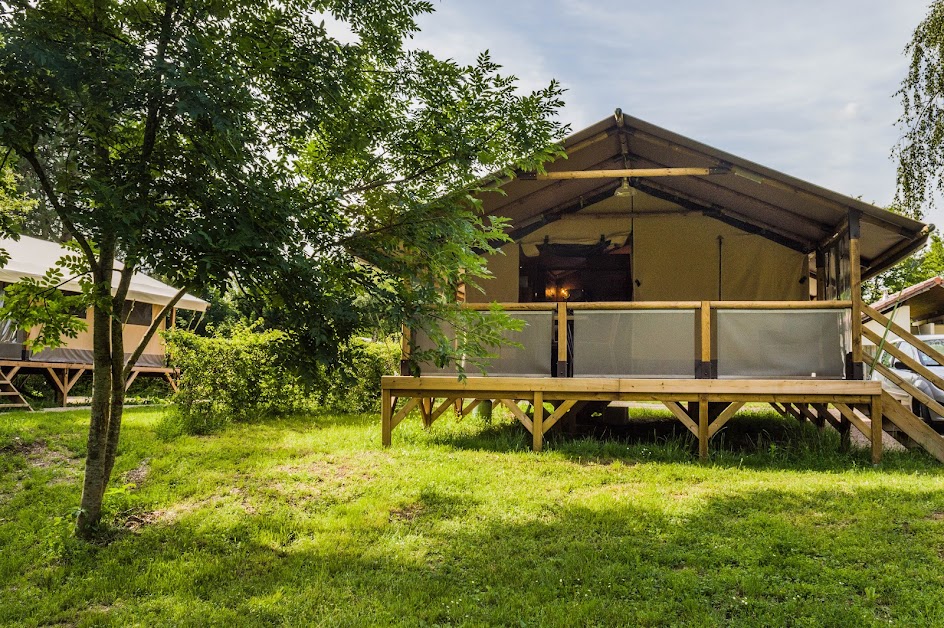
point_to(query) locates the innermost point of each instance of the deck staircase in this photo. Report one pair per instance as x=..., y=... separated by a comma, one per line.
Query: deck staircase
x=897, y=419
x=10, y=396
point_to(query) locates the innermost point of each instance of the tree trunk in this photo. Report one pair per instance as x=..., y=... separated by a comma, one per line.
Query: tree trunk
x=96, y=467
x=107, y=391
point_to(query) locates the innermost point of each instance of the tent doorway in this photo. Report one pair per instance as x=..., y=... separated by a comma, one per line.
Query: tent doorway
x=576, y=272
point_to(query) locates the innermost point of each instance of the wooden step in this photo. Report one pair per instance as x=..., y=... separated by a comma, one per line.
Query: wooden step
x=913, y=426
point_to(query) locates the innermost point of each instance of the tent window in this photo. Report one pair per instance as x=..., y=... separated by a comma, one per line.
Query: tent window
x=573, y=272
x=139, y=313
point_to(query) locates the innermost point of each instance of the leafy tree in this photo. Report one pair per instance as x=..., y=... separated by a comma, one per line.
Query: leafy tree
x=920, y=151
x=14, y=204
x=914, y=269
x=236, y=142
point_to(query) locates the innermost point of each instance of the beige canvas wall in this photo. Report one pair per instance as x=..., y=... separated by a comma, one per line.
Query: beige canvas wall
x=901, y=317
x=503, y=286
x=132, y=336
x=676, y=259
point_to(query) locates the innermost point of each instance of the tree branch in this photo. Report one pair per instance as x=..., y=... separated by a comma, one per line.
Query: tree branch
x=33, y=161
x=411, y=177
x=151, y=331
x=154, y=106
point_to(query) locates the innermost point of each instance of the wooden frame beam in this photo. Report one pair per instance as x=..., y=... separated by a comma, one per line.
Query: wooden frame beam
x=823, y=227
x=623, y=173
x=724, y=417
x=682, y=416
x=726, y=216
x=918, y=430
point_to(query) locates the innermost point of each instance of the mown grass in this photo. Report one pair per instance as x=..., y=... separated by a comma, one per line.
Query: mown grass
x=308, y=521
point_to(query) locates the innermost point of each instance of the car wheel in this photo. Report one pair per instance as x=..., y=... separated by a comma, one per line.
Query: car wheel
x=921, y=410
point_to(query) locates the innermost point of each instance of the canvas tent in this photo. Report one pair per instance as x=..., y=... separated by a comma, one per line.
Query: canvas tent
x=740, y=232
x=32, y=257
x=646, y=266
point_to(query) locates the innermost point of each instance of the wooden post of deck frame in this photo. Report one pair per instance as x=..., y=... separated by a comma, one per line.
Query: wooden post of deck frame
x=703, y=427
x=386, y=410
x=855, y=280
x=537, y=424
x=876, y=417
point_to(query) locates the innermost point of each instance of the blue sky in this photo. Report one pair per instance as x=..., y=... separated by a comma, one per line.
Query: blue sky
x=805, y=87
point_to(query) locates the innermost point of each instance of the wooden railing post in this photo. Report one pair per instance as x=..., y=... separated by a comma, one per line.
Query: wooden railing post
x=855, y=280
x=703, y=367
x=562, y=339
x=820, y=275
x=405, y=352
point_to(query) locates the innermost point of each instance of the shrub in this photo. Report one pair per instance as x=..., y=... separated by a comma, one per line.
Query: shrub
x=352, y=382
x=233, y=377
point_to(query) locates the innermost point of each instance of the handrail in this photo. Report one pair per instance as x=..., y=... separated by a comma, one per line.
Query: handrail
x=904, y=334
x=669, y=305
x=901, y=356
x=513, y=307
x=705, y=362
x=781, y=305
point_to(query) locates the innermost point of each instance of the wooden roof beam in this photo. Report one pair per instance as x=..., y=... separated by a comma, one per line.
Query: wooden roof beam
x=623, y=173
x=760, y=179
x=732, y=218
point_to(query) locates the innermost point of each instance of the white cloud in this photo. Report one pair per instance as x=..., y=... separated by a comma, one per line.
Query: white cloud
x=806, y=87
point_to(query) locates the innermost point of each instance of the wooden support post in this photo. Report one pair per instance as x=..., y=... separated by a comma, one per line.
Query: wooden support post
x=820, y=275
x=562, y=339
x=65, y=387
x=537, y=432
x=703, y=427
x=386, y=411
x=876, y=416
x=855, y=279
x=704, y=370
x=845, y=433
x=426, y=409
x=405, y=352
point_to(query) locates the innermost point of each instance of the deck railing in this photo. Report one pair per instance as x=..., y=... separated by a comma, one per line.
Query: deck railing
x=672, y=340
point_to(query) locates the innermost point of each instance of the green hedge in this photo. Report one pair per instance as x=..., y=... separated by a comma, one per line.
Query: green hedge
x=352, y=382
x=235, y=377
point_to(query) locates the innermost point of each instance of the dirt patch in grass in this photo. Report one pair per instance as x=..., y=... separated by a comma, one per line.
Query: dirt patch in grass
x=937, y=516
x=137, y=520
x=137, y=475
x=406, y=513
x=176, y=511
x=330, y=469
x=39, y=455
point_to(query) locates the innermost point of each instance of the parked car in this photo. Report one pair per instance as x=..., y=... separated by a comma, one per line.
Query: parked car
x=915, y=379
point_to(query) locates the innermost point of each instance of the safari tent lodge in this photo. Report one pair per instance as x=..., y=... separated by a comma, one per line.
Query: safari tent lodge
x=649, y=267
x=63, y=366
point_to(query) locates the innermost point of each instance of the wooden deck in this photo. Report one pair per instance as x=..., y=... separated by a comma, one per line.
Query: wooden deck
x=63, y=376
x=709, y=403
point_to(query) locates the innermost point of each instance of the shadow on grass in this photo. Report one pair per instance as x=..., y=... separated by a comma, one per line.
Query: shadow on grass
x=760, y=557
x=759, y=441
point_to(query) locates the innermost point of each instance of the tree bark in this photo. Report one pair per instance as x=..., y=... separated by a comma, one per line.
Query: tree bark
x=93, y=488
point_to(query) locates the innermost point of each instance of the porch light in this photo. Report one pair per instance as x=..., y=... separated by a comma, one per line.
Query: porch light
x=624, y=189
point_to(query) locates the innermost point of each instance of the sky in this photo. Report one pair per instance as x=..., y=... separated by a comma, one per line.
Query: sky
x=804, y=87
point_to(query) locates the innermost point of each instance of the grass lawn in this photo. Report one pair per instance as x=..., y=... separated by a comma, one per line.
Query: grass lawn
x=308, y=521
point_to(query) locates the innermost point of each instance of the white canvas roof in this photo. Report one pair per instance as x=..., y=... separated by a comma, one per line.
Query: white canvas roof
x=32, y=257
